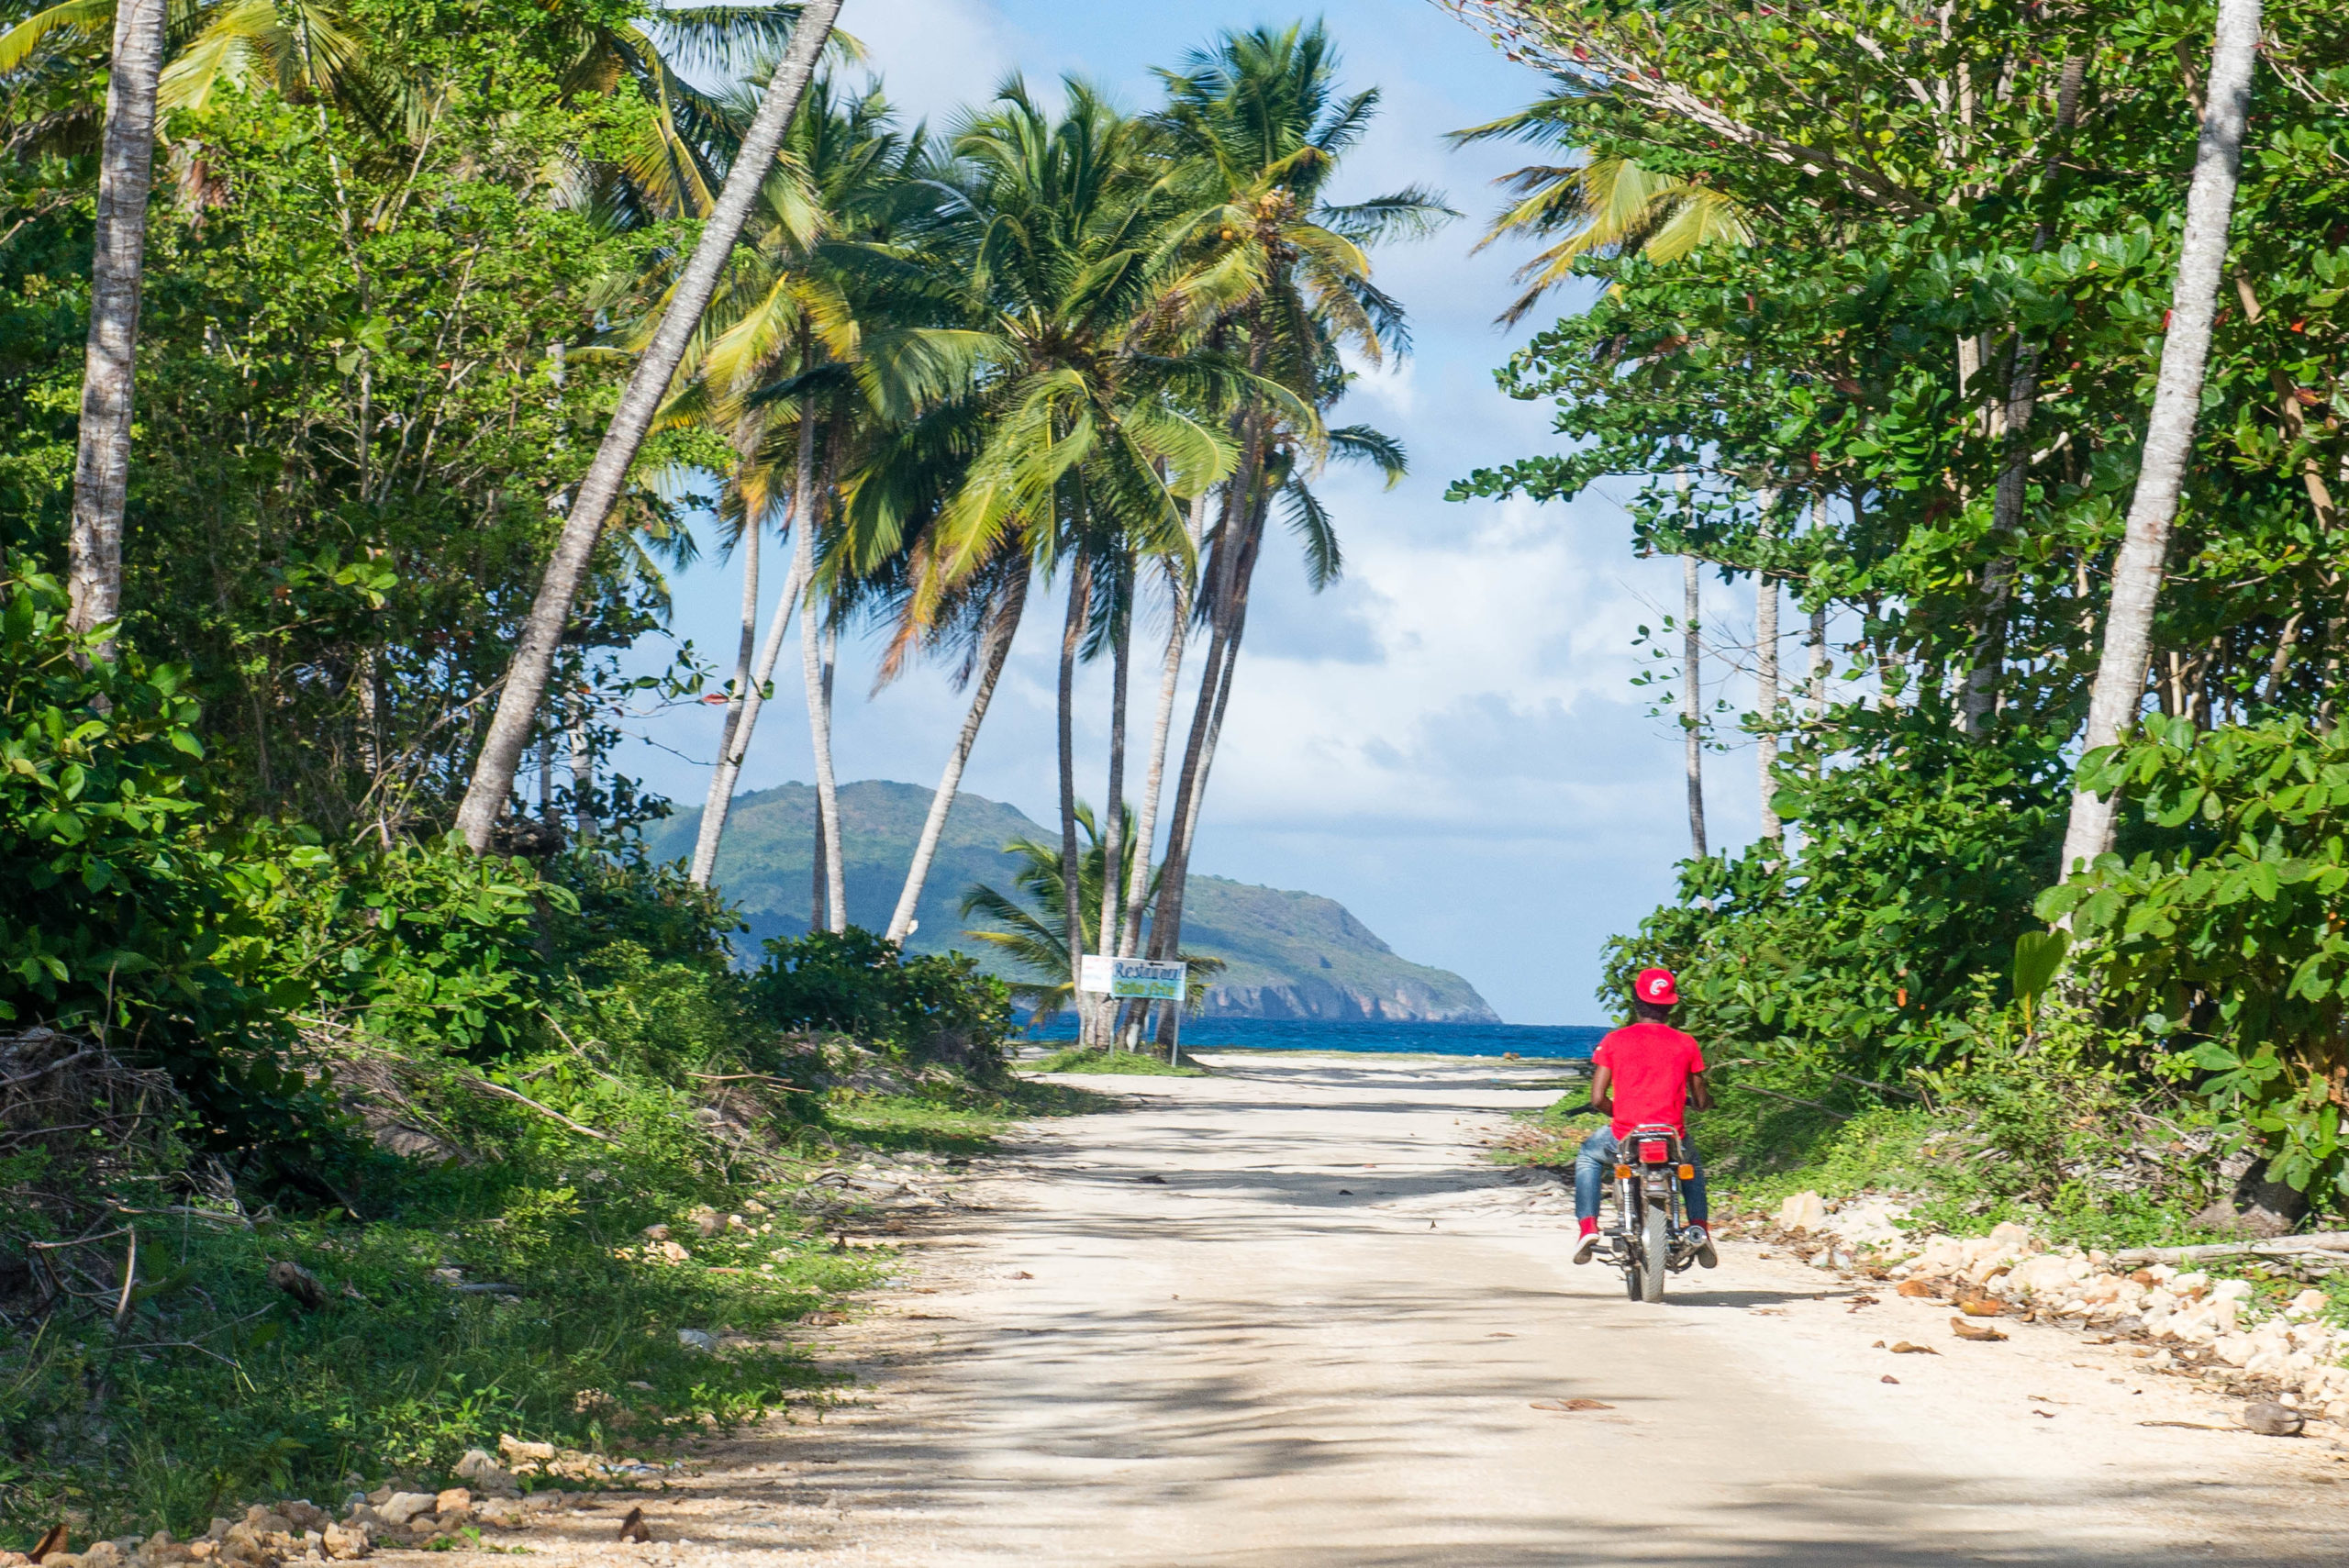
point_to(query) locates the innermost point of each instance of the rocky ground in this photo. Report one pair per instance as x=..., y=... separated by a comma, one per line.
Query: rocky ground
x=1288, y=1315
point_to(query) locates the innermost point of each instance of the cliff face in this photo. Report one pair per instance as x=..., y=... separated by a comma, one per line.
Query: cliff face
x=1299, y=955
x=1288, y=955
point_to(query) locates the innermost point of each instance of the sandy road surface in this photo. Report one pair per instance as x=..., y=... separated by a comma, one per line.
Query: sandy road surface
x=1318, y=1343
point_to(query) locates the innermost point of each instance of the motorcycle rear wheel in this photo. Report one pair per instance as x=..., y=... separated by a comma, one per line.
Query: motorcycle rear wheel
x=1655, y=1250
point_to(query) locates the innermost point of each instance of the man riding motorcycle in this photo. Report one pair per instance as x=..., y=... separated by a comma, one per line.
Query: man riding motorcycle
x=1643, y=1074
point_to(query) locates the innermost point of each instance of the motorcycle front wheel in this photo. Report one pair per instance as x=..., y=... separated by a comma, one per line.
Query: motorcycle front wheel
x=1655, y=1250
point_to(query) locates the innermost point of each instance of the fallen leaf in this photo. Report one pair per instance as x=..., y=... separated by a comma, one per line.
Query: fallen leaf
x=632, y=1528
x=1876, y=1346
x=52, y=1539
x=1888, y=1378
x=1979, y=1332
x=1980, y=1306
x=1905, y=1349
x=2049, y=1414
x=1572, y=1405
x=1916, y=1288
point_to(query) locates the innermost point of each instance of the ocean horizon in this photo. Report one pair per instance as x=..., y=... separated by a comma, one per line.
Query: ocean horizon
x=1552, y=1041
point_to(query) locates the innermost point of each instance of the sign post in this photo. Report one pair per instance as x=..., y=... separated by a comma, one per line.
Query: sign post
x=1141, y=978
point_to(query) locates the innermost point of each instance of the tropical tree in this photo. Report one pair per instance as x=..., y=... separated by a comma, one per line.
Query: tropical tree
x=1079, y=433
x=524, y=691
x=1281, y=277
x=780, y=364
x=1038, y=935
x=2118, y=694
x=102, y=460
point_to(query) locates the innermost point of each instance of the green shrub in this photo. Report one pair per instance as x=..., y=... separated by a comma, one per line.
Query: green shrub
x=934, y=1008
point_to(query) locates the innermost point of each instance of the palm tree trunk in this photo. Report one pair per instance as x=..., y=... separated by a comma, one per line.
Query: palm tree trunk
x=729, y=765
x=2120, y=687
x=591, y=505
x=1170, y=680
x=811, y=667
x=117, y=268
x=1072, y=867
x=1166, y=930
x=835, y=859
x=1113, y=828
x=1222, y=591
x=1765, y=680
x=713, y=813
x=994, y=645
x=1692, y=704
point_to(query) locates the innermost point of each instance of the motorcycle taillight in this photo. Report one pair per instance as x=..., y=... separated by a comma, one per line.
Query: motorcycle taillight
x=1654, y=1153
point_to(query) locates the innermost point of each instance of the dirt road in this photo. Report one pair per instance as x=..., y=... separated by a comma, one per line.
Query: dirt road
x=1318, y=1343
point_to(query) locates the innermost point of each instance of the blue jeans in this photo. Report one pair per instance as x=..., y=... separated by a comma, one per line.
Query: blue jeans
x=1594, y=1166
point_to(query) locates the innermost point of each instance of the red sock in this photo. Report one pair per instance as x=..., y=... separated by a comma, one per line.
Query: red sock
x=1590, y=1226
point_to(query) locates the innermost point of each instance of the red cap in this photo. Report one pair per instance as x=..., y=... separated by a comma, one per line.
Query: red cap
x=1656, y=986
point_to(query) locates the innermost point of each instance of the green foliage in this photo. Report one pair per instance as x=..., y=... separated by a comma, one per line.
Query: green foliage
x=2227, y=931
x=937, y=1007
x=1918, y=861
x=103, y=896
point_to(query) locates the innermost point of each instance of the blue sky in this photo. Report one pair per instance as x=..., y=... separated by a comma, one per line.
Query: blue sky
x=1447, y=742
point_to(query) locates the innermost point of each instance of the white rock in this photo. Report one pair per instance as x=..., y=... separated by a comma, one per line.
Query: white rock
x=2231, y=1290
x=697, y=1339
x=1804, y=1211
x=2189, y=1283
x=402, y=1506
x=2307, y=1303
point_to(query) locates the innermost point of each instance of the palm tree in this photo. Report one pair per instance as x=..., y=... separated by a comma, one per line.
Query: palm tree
x=117, y=269
x=524, y=691
x=2120, y=688
x=1259, y=129
x=1038, y=935
x=1604, y=205
x=774, y=363
x=1080, y=433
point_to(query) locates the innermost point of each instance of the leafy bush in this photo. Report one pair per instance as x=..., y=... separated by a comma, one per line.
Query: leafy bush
x=1861, y=950
x=936, y=1008
x=2226, y=933
x=107, y=910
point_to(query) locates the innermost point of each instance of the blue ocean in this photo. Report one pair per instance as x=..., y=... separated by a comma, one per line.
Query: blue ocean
x=1567, y=1041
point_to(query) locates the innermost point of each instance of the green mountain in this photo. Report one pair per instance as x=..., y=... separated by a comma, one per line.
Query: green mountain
x=1290, y=955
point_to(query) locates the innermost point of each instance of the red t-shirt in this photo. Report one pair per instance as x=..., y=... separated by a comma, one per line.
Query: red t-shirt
x=1650, y=1064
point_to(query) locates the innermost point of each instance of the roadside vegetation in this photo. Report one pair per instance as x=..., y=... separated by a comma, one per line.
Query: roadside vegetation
x=366, y=1094
x=1126, y=1063
x=2046, y=913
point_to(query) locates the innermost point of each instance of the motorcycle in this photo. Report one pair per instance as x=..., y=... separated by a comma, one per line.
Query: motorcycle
x=1652, y=1238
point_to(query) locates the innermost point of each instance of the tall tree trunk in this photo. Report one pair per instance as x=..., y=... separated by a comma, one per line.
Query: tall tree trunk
x=2120, y=687
x=591, y=505
x=729, y=764
x=1080, y=589
x=713, y=812
x=1977, y=701
x=1166, y=931
x=995, y=643
x=1765, y=680
x=102, y=456
x=835, y=861
x=811, y=667
x=582, y=747
x=1170, y=680
x=1223, y=590
x=1113, y=828
x=1819, y=626
x=1692, y=704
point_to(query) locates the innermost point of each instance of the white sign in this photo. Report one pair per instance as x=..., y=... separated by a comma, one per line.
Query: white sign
x=1137, y=977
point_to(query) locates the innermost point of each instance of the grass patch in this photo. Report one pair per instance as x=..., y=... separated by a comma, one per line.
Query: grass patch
x=1124, y=1063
